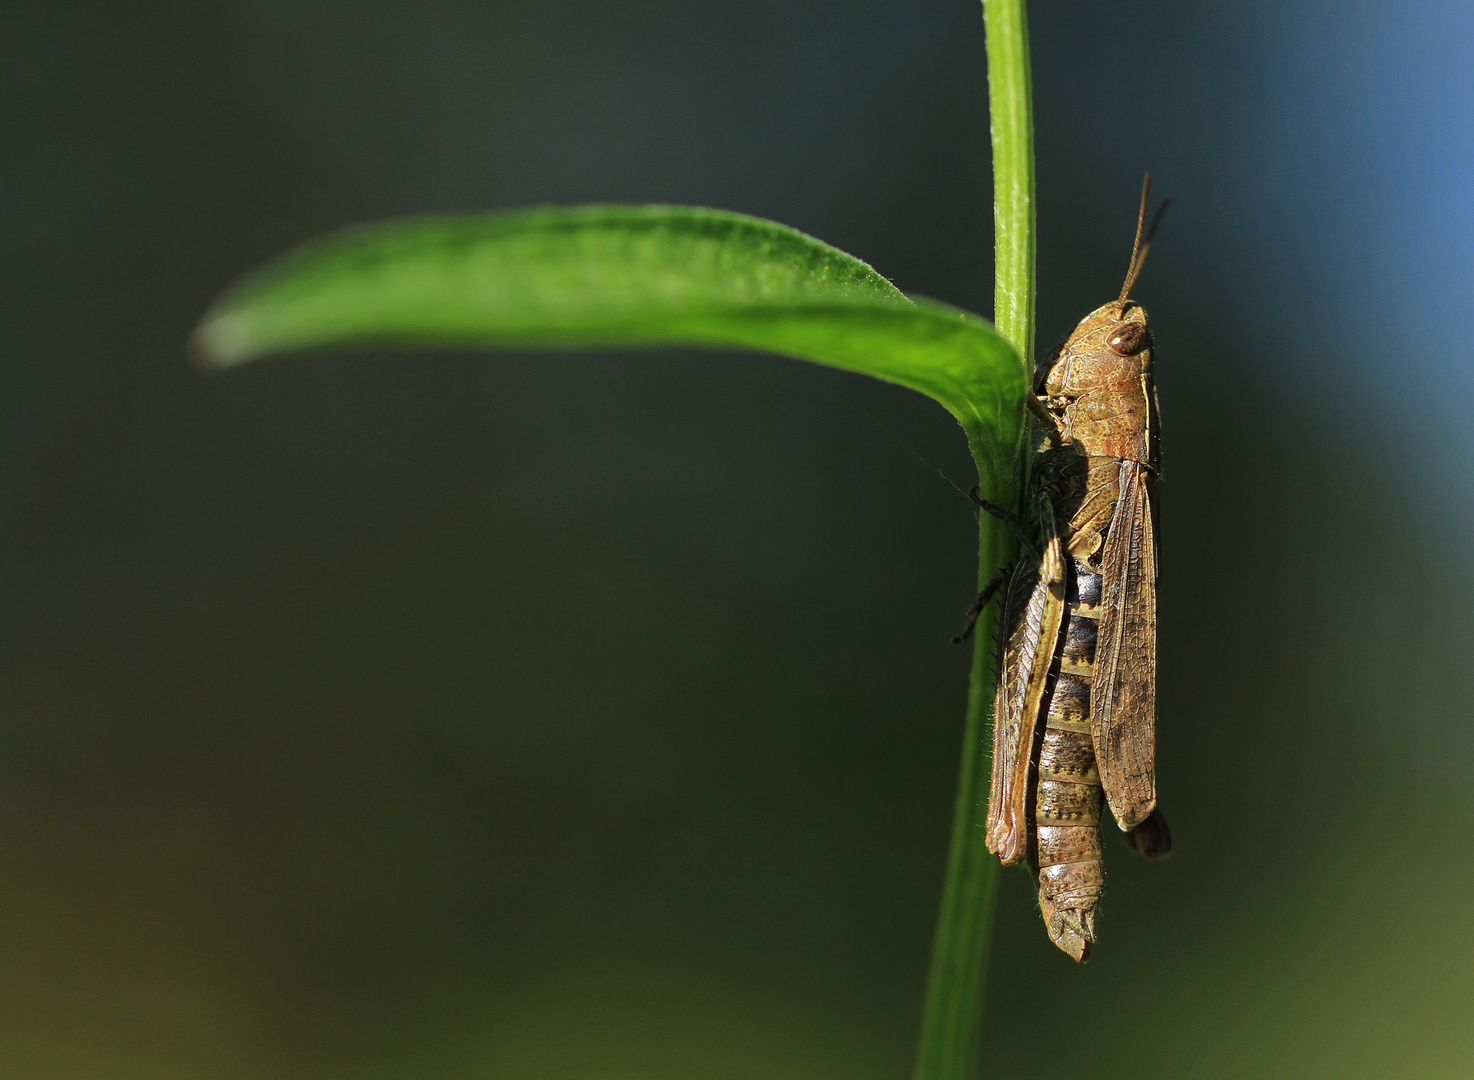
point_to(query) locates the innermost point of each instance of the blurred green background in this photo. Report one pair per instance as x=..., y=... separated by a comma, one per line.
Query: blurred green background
x=594, y=716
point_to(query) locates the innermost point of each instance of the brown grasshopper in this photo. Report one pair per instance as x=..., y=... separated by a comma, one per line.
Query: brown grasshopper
x=1074, y=712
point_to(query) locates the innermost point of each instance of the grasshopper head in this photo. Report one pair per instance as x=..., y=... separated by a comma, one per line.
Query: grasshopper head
x=1112, y=347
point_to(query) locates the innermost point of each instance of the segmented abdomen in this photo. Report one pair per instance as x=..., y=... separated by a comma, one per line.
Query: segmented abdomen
x=1068, y=798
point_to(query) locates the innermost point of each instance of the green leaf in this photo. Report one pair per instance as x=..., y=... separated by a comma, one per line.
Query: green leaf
x=624, y=276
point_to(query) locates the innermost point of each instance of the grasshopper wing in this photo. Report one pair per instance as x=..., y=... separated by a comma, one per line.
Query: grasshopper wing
x=1029, y=634
x=1123, y=689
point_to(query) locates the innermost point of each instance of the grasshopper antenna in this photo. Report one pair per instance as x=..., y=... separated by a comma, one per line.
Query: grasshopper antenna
x=1140, y=246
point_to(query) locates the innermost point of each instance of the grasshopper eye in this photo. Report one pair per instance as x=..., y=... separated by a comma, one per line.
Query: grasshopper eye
x=1128, y=339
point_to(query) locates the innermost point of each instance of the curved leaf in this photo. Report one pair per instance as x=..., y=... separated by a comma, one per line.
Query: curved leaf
x=624, y=276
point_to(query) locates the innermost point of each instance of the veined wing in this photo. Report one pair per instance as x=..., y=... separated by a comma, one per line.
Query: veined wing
x=1123, y=689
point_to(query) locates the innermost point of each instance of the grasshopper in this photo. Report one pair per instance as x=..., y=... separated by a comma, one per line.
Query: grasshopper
x=1074, y=711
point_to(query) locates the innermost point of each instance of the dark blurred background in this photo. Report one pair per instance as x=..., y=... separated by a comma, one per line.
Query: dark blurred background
x=594, y=716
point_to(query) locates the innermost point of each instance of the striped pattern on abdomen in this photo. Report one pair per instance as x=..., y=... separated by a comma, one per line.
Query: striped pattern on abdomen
x=1067, y=795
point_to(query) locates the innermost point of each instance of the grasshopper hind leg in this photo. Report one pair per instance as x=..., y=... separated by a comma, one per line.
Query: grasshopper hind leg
x=1152, y=837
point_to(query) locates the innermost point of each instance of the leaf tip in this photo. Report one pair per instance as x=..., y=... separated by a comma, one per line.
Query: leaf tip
x=221, y=341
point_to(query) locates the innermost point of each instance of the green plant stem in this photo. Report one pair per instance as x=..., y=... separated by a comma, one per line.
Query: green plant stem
x=1011, y=111
x=955, y=983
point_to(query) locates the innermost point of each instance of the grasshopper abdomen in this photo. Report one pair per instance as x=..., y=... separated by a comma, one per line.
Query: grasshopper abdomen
x=1068, y=796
